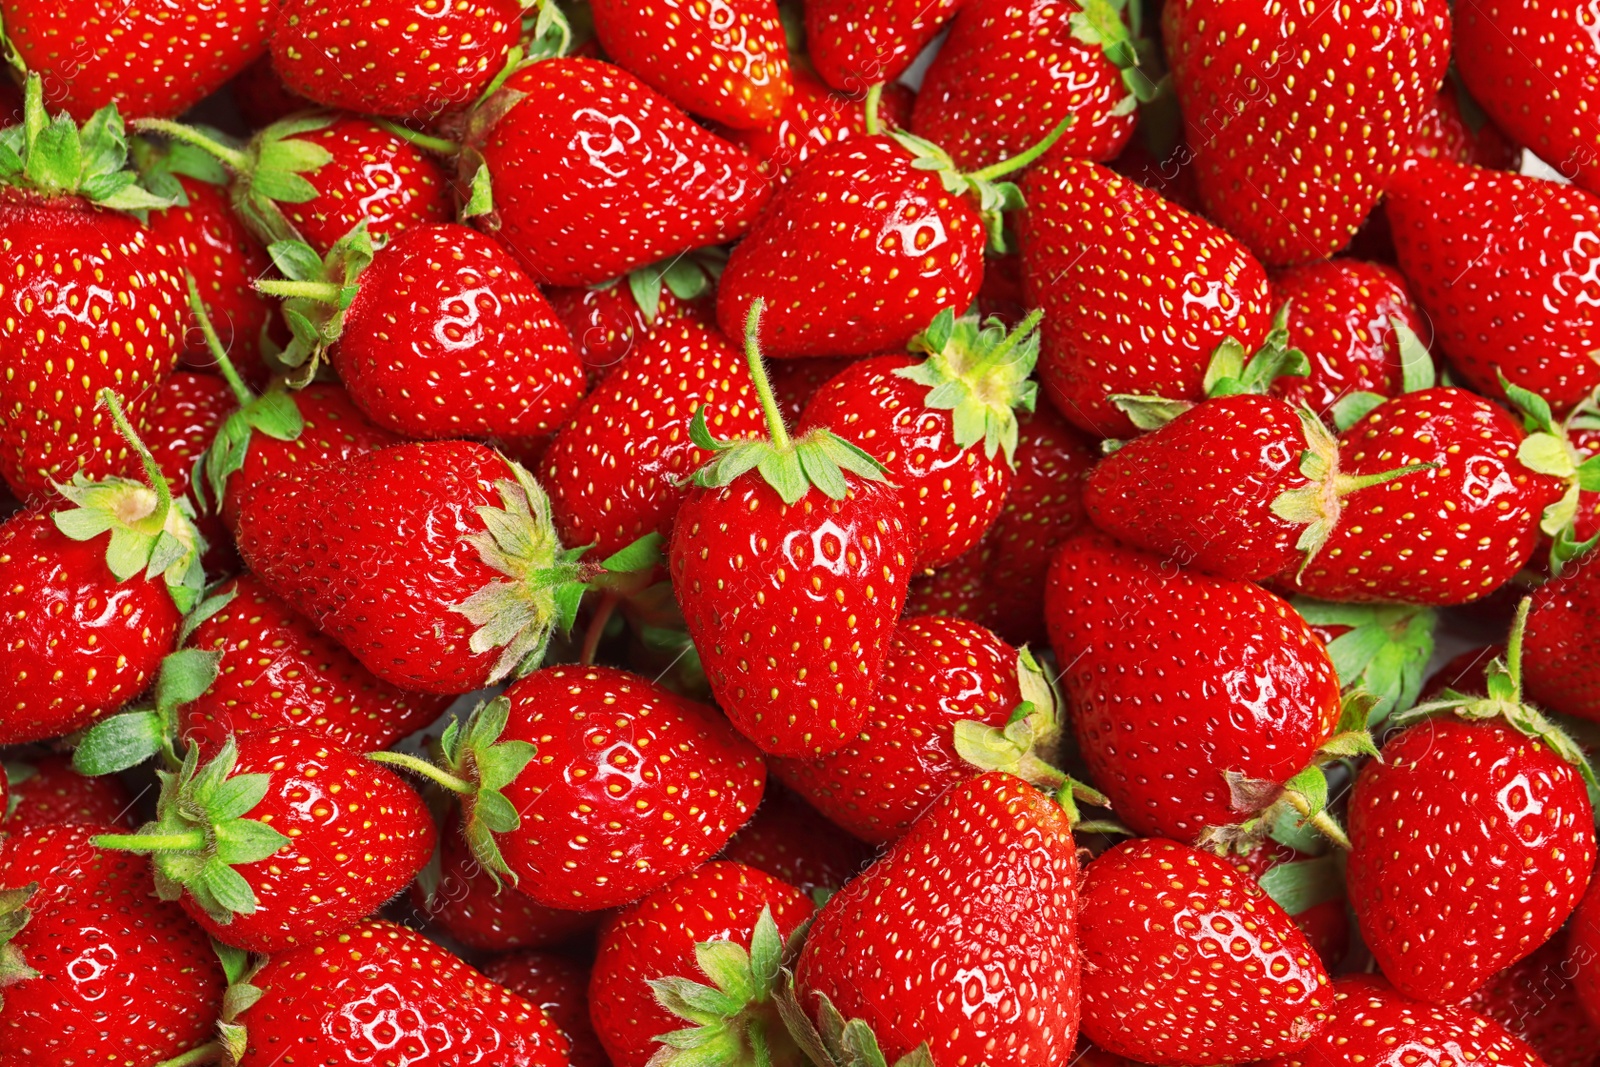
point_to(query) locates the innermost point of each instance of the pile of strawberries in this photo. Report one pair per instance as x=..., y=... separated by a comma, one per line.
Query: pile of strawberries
x=855, y=533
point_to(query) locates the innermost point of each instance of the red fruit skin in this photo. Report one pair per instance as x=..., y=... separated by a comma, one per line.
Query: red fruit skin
x=1494, y=802
x=75, y=643
x=470, y=907
x=896, y=256
x=1506, y=296
x=1466, y=673
x=418, y=60
x=261, y=97
x=1171, y=174
x=1561, y=647
x=1586, y=523
x=448, y=338
x=595, y=174
x=151, y=59
x=981, y=960
x=46, y=791
x=1008, y=74
x=79, y=282
x=1533, y=68
x=791, y=841
x=375, y=177
x=856, y=44
x=615, y=470
x=1583, y=952
x=1155, y=741
x=743, y=563
x=615, y=820
x=1199, y=491
x=952, y=494
x=656, y=938
x=1292, y=187
x=276, y=670
x=1342, y=315
x=813, y=118
x=123, y=977
x=1326, y=926
x=1444, y=536
x=180, y=424
x=728, y=63
x=939, y=671
x=1536, y=1001
x=606, y=324
x=1445, y=134
x=560, y=988
x=1161, y=984
x=1105, y=332
x=1377, y=1027
x=796, y=381
x=382, y=993
x=397, y=614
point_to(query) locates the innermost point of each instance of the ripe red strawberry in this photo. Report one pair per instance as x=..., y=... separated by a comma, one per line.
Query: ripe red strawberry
x=1536, y=1001
x=419, y=59
x=1187, y=961
x=1293, y=141
x=45, y=791
x=92, y=299
x=380, y=993
x=1454, y=128
x=96, y=969
x=276, y=670
x=560, y=988
x=1583, y=952
x=147, y=58
x=1488, y=785
x=282, y=839
x=1533, y=68
x=1010, y=71
x=1108, y=333
x=813, y=118
x=615, y=470
x=857, y=44
x=944, y=682
x=594, y=174
x=980, y=962
x=1468, y=672
x=810, y=524
x=728, y=62
x=179, y=426
x=789, y=840
x=610, y=320
x=1516, y=303
x=456, y=609
x=796, y=381
x=1442, y=536
x=650, y=976
x=1563, y=639
x=1156, y=741
x=1310, y=889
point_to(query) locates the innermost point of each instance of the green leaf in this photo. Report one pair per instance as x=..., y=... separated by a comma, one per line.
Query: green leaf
x=247, y=840
x=496, y=813
x=1535, y=409
x=275, y=414
x=1149, y=412
x=1416, y=365
x=120, y=742
x=1589, y=475
x=225, y=888
x=480, y=199
x=1353, y=407
x=1546, y=453
x=642, y=555
x=1300, y=886
x=727, y=964
x=185, y=676
x=296, y=260
x=500, y=764
x=1311, y=785
x=234, y=797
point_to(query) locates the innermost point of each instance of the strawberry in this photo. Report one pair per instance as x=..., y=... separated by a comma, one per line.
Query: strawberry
x=692, y=968
x=418, y=60
x=809, y=523
x=1501, y=792
x=608, y=321
x=180, y=424
x=96, y=296
x=1468, y=672
x=46, y=791
x=1583, y=952
x=1103, y=335
x=1534, y=70
x=1536, y=1001
x=594, y=174
x=382, y=994
x=1373, y=1024
x=728, y=63
x=609, y=822
x=145, y=57
x=560, y=988
x=1293, y=140
x=454, y=611
x=1454, y=127
x=261, y=96
x=1563, y=640
x=857, y=44
x=813, y=118
x=789, y=840
x=1516, y=304
x=436, y=334
x=1154, y=740
x=796, y=381
x=1159, y=982
x=949, y=690
x=1009, y=71
x=281, y=840
x=1310, y=890
x=981, y=963
x=96, y=969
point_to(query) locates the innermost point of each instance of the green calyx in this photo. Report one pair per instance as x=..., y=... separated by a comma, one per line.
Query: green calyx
x=240, y=969
x=1101, y=22
x=833, y=1041
x=161, y=164
x=201, y=832
x=1384, y=650
x=129, y=738
x=1417, y=373
x=687, y=277
x=980, y=374
x=819, y=460
x=1299, y=886
x=316, y=292
x=14, y=915
x=1548, y=450
x=733, y=1016
x=57, y=157
x=150, y=531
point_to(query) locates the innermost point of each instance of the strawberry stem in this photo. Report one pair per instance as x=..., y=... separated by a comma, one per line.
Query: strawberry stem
x=1322, y=821
x=758, y=373
x=874, y=97
x=1022, y=159
x=427, y=143
x=1514, y=648
x=426, y=770
x=232, y=158
x=157, y=480
x=211, y=1052
x=241, y=391
x=1349, y=483
x=283, y=289
x=186, y=841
